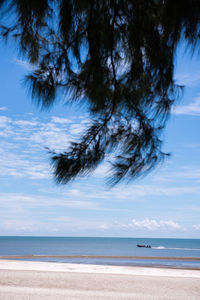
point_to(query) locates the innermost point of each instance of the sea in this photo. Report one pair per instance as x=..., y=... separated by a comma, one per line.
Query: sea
x=175, y=253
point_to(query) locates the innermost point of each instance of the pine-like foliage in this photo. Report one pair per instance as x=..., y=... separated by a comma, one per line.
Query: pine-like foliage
x=117, y=56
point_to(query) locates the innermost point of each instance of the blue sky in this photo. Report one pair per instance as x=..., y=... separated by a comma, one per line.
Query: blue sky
x=166, y=203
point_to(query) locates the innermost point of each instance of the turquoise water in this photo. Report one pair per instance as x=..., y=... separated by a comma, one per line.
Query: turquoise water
x=81, y=246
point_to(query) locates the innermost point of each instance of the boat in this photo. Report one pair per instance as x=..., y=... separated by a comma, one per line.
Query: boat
x=144, y=246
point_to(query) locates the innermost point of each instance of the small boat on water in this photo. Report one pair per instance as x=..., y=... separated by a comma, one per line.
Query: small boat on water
x=144, y=246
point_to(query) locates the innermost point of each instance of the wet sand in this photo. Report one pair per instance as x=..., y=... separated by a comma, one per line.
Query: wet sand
x=32, y=257
x=44, y=280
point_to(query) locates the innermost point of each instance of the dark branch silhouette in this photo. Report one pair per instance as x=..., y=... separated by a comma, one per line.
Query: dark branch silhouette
x=118, y=57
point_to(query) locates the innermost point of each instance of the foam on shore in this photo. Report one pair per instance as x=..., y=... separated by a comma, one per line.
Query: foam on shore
x=98, y=269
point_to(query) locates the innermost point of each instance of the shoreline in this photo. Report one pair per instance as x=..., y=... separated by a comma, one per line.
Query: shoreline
x=95, y=268
x=188, y=263
x=36, y=256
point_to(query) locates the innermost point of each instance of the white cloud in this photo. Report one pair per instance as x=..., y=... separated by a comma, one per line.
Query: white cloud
x=59, y=226
x=185, y=173
x=103, y=226
x=86, y=121
x=4, y=121
x=143, y=225
x=25, y=141
x=154, y=224
x=23, y=155
x=22, y=165
x=39, y=201
x=188, y=173
x=77, y=128
x=36, y=134
x=51, y=137
x=102, y=171
x=24, y=64
x=146, y=223
x=61, y=120
x=3, y=108
x=62, y=219
x=80, y=204
x=187, y=79
x=170, y=224
x=19, y=224
x=25, y=123
x=140, y=191
x=197, y=227
x=192, y=109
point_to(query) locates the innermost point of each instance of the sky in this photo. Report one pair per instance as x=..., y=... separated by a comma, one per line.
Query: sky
x=166, y=203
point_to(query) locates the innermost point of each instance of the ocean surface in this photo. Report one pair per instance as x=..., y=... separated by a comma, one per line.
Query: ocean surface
x=116, y=251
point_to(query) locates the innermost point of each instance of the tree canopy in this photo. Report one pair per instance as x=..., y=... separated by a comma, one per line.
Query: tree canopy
x=114, y=56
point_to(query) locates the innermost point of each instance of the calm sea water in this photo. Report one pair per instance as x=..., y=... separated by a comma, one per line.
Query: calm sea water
x=45, y=246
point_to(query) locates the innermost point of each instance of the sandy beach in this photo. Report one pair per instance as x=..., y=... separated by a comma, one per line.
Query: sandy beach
x=44, y=280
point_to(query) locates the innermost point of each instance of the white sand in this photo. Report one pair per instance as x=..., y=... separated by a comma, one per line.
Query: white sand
x=44, y=280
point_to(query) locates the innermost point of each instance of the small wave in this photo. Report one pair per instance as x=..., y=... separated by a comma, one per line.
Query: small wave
x=159, y=248
x=166, y=248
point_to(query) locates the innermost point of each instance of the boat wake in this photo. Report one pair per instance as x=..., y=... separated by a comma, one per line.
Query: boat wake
x=166, y=248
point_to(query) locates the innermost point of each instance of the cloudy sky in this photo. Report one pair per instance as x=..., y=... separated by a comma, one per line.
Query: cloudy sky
x=166, y=203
